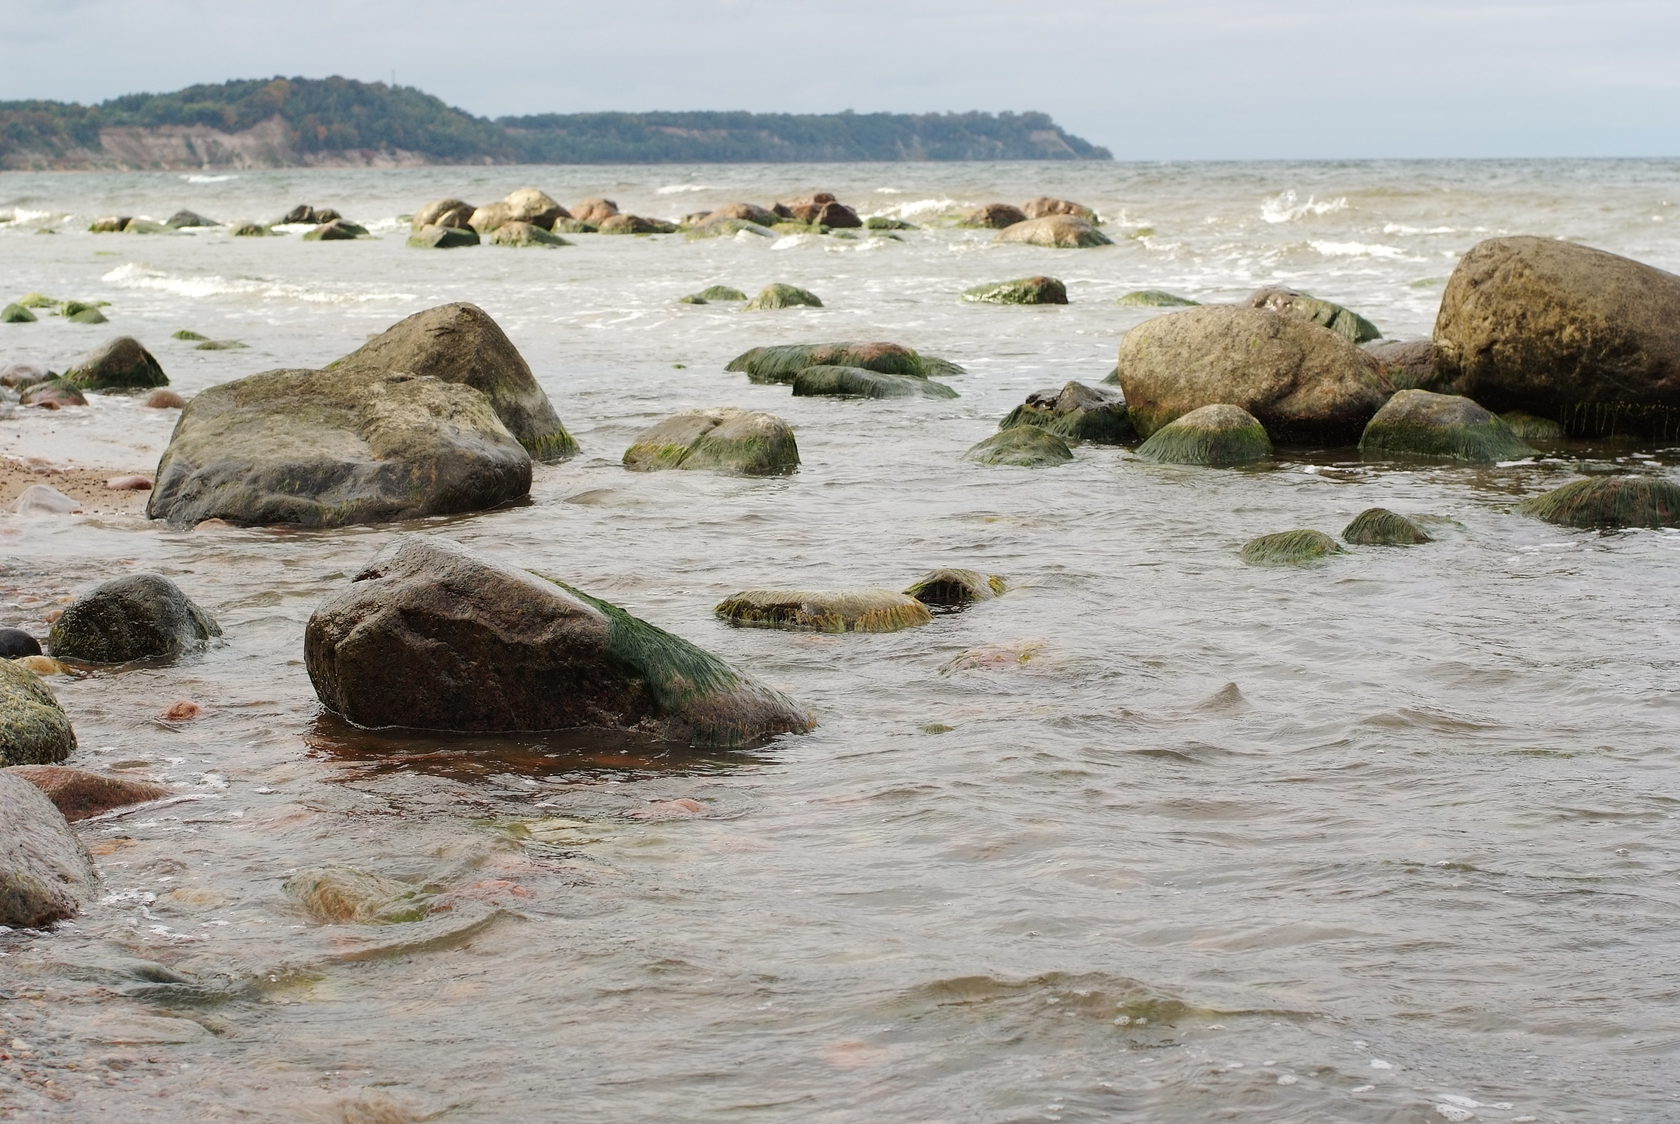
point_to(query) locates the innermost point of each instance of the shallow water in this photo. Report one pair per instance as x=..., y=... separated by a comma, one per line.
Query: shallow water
x=1387, y=840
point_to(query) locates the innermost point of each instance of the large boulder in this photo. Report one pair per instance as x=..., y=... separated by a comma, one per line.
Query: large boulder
x=460, y=343
x=521, y=234
x=744, y=442
x=993, y=216
x=779, y=363
x=354, y=444
x=1217, y=436
x=527, y=204
x=1064, y=232
x=1306, y=384
x=859, y=382
x=1326, y=314
x=595, y=211
x=443, y=212
x=488, y=217
x=1418, y=423
x=1076, y=412
x=1579, y=335
x=432, y=636
x=46, y=874
x=134, y=617
x=1609, y=503
x=121, y=364
x=34, y=729
x=821, y=209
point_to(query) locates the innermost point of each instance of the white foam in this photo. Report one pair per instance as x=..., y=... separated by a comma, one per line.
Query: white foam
x=1356, y=249
x=195, y=178
x=1284, y=208
x=1402, y=228
x=133, y=275
x=679, y=188
x=926, y=207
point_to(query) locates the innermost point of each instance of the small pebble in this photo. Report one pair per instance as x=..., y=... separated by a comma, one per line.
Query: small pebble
x=164, y=400
x=129, y=483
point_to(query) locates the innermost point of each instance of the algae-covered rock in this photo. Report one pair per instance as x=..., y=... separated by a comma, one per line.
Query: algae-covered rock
x=355, y=444
x=1025, y=290
x=779, y=363
x=744, y=442
x=887, y=222
x=1305, y=383
x=713, y=226
x=78, y=312
x=1066, y=232
x=521, y=234
x=188, y=334
x=134, y=617
x=53, y=394
x=1024, y=446
x=439, y=237
x=1155, y=298
x=1378, y=526
x=79, y=794
x=40, y=300
x=715, y=294
x=121, y=364
x=338, y=230
x=780, y=295
x=452, y=213
x=831, y=381
x=633, y=224
x=1342, y=321
x=1218, y=436
x=1077, y=413
x=950, y=587
x=342, y=895
x=16, y=314
x=432, y=636
x=251, y=230
x=1609, y=503
x=1527, y=427
x=993, y=216
x=842, y=610
x=110, y=224
x=1290, y=548
x=183, y=219
x=221, y=345
x=34, y=730
x=1408, y=364
x=46, y=874
x=1419, y=423
x=460, y=343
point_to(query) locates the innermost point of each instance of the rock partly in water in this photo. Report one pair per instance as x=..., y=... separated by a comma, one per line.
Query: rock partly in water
x=432, y=636
x=183, y=219
x=1292, y=302
x=1306, y=384
x=221, y=345
x=16, y=314
x=44, y=499
x=52, y=395
x=521, y=234
x=781, y=295
x=1044, y=205
x=527, y=204
x=134, y=617
x=79, y=794
x=743, y=442
x=842, y=610
x=1609, y=503
x=1155, y=298
x=452, y=213
x=122, y=364
x=440, y=237
x=721, y=293
x=779, y=363
x=79, y=313
x=714, y=227
x=1076, y=413
x=1566, y=332
x=821, y=209
x=1024, y=446
x=993, y=216
x=1218, y=436
x=594, y=212
x=15, y=642
x=250, y=230
x=460, y=343
x=1417, y=423
x=634, y=224
x=1065, y=232
x=1378, y=526
x=338, y=230
x=110, y=224
x=355, y=444
x=951, y=588
x=341, y=895
x=887, y=222
x=17, y=376
x=46, y=874
x=834, y=381
x=303, y=214
x=1290, y=548
x=34, y=730
x=1024, y=290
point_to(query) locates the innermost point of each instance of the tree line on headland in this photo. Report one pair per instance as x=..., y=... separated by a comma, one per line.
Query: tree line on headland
x=334, y=121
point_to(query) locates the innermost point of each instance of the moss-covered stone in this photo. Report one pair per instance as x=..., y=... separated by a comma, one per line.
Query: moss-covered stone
x=121, y=364
x=886, y=222
x=845, y=610
x=438, y=237
x=1378, y=526
x=1418, y=423
x=53, y=394
x=341, y=895
x=1024, y=446
x=1218, y=436
x=188, y=334
x=950, y=587
x=742, y=442
x=779, y=363
x=1326, y=314
x=134, y=617
x=780, y=295
x=338, y=230
x=830, y=381
x=251, y=230
x=1077, y=413
x=222, y=345
x=1057, y=231
x=718, y=294
x=183, y=219
x=523, y=234
x=1155, y=298
x=16, y=314
x=40, y=300
x=574, y=226
x=78, y=312
x=1290, y=548
x=1609, y=502
x=715, y=226
x=1527, y=427
x=1025, y=290
x=34, y=729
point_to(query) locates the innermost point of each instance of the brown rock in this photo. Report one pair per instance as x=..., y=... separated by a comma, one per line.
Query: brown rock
x=1047, y=205
x=994, y=216
x=79, y=793
x=595, y=211
x=129, y=483
x=164, y=400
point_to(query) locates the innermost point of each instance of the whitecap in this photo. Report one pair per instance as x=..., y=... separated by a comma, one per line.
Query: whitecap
x=679, y=188
x=196, y=178
x=1356, y=249
x=133, y=275
x=1284, y=208
x=1402, y=228
x=926, y=207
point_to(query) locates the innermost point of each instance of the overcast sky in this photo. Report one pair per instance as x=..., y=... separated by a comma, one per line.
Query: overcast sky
x=1150, y=79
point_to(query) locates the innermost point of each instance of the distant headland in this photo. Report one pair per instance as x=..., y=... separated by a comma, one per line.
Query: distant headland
x=339, y=122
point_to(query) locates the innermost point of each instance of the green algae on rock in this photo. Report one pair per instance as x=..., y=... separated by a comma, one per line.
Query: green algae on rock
x=844, y=610
x=780, y=295
x=16, y=314
x=950, y=587
x=1420, y=423
x=1327, y=314
x=1527, y=427
x=34, y=730
x=1378, y=526
x=1609, y=502
x=833, y=381
x=521, y=234
x=730, y=440
x=1290, y=548
x=1058, y=231
x=1023, y=446
x=121, y=364
x=439, y=237
x=1154, y=298
x=1024, y=290
x=1218, y=436
x=1076, y=413
x=134, y=617
x=779, y=363
x=339, y=895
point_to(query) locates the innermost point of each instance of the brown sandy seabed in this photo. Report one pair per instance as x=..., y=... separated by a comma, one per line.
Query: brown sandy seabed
x=85, y=485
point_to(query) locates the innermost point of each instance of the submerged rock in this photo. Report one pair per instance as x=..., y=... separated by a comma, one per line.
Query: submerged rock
x=52, y=395
x=1058, y=231
x=183, y=219
x=79, y=794
x=1305, y=384
x=1609, y=502
x=779, y=363
x=716, y=294
x=134, y=617
x=1025, y=290
x=714, y=227
x=744, y=442
x=1024, y=446
x=34, y=730
x=1378, y=526
x=843, y=610
x=250, y=230
x=780, y=295
x=1326, y=314
x=16, y=314
x=342, y=895
x=1077, y=413
x=432, y=636
x=949, y=587
x=522, y=234
x=1218, y=436
x=46, y=874
x=1290, y=548
x=121, y=364
x=1421, y=424
x=15, y=642
x=1155, y=298
x=834, y=381
x=337, y=230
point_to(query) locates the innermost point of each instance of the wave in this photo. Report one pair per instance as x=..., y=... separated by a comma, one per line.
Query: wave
x=1284, y=208
x=1401, y=228
x=133, y=275
x=925, y=207
x=1356, y=250
x=197, y=178
x=679, y=188
x=20, y=214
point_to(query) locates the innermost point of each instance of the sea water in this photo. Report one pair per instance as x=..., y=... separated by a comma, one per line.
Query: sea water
x=1153, y=836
